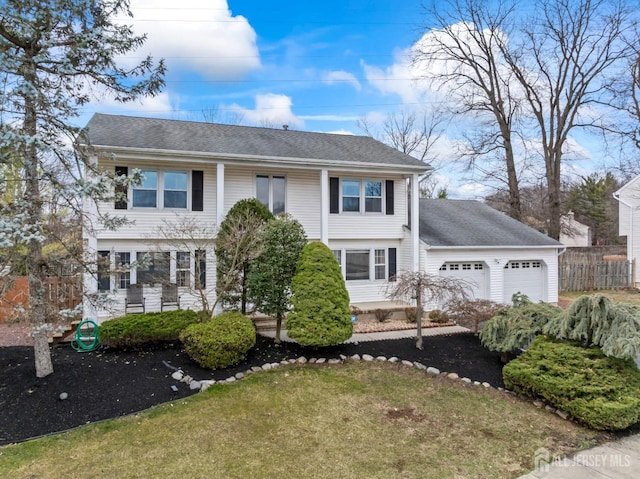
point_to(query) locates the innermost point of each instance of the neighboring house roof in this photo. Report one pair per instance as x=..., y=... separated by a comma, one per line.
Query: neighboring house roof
x=117, y=131
x=468, y=223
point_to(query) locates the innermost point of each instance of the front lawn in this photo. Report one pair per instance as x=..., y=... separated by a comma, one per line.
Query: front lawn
x=374, y=420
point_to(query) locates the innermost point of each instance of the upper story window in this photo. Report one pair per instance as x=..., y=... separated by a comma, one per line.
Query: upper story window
x=362, y=196
x=145, y=194
x=271, y=192
x=161, y=189
x=175, y=189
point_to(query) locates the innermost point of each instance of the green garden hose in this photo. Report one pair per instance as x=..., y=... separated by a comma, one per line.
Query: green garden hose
x=87, y=337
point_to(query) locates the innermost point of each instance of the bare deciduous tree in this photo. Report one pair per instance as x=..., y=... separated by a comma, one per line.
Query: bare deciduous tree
x=565, y=61
x=463, y=55
x=424, y=288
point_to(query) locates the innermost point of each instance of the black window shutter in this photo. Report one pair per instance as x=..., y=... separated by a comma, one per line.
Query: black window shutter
x=334, y=195
x=393, y=264
x=389, y=195
x=121, y=190
x=197, y=190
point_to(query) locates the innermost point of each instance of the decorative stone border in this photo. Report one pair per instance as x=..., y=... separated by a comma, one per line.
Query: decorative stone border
x=203, y=385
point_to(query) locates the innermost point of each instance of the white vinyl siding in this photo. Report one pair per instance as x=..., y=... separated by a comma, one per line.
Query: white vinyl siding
x=374, y=225
x=144, y=222
x=189, y=298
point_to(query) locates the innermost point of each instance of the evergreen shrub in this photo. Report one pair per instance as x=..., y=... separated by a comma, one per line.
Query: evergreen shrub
x=320, y=314
x=514, y=328
x=220, y=342
x=438, y=316
x=595, y=320
x=147, y=329
x=599, y=391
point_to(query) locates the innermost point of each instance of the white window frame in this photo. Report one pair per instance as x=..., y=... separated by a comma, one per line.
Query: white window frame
x=341, y=256
x=181, y=268
x=362, y=198
x=160, y=190
x=270, y=178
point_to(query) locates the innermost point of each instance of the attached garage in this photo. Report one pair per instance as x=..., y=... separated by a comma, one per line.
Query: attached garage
x=498, y=255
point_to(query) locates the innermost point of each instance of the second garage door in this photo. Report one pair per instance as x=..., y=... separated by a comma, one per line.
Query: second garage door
x=526, y=277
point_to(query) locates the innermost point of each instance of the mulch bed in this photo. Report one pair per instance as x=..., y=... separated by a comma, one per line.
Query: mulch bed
x=106, y=384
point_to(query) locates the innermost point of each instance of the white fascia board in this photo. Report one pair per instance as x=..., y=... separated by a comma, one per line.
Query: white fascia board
x=251, y=160
x=485, y=248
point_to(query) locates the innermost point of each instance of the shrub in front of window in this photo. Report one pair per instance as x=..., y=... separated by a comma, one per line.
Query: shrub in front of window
x=139, y=331
x=320, y=314
x=220, y=342
x=599, y=391
x=237, y=245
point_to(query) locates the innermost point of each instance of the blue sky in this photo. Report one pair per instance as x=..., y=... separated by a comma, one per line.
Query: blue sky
x=312, y=65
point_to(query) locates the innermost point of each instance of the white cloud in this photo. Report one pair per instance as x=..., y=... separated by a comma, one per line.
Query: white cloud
x=341, y=132
x=201, y=35
x=271, y=110
x=341, y=76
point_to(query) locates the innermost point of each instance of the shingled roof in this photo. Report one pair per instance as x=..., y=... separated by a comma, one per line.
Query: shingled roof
x=242, y=141
x=456, y=223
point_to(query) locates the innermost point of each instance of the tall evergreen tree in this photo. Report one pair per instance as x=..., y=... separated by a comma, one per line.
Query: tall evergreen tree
x=55, y=56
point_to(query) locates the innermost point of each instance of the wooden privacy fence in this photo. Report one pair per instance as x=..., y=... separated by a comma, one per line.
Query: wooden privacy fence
x=60, y=293
x=592, y=275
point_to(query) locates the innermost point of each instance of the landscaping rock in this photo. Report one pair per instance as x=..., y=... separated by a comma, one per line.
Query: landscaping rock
x=476, y=383
x=538, y=403
x=393, y=359
x=302, y=360
x=355, y=357
x=195, y=385
x=204, y=385
x=312, y=361
x=407, y=363
x=63, y=396
x=231, y=379
x=420, y=366
x=562, y=414
x=239, y=375
x=551, y=409
x=275, y=365
x=466, y=380
x=255, y=369
x=177, y=375
x=321, y=360
x=432, y=370
x=343, y=357
x=266, y=366
x=381, y=358
x=367, y=357
x=453, y=376
x=486, y=385
x=334, y=361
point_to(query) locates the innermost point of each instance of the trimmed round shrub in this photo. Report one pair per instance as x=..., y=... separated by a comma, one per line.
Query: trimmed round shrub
x=320, y=314
x=599, y=391
x=220, y=342
x=438, y=316
x=146, y=330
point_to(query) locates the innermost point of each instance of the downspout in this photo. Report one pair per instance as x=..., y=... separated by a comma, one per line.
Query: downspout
x=629, y=239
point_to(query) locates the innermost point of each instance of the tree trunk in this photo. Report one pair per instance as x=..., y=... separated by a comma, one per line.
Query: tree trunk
x=515, y=205
x=554, y=190
x=35, y=264
x=278, y=329
x=419, y=323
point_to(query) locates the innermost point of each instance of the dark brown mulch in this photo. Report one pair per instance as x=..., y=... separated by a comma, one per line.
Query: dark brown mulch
x=106, y=384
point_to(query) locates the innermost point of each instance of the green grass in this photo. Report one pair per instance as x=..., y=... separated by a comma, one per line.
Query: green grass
x=360, y=420
x=622, y=295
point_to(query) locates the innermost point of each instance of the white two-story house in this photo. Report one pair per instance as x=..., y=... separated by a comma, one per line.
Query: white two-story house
x=353, y=193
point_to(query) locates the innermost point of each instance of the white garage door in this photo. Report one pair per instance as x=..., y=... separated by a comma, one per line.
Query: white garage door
x=526, y=277
x=474, y=273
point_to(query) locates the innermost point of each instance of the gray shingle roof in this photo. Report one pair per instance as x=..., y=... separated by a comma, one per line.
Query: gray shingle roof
x=472, y=223
x=173, y=135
